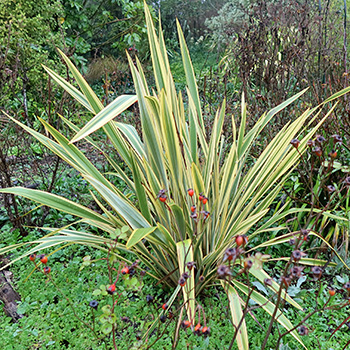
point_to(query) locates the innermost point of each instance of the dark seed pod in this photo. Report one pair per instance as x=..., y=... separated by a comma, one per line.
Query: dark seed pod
x=93, y=304
x=149, y=298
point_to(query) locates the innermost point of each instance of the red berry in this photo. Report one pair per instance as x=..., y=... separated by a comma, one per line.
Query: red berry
x=190, y=192
x=193, y=208
x=204, y=329
x=162, y=199
x=111, y=289
x=125, y=270
x=44, y=259
x=47, y=269
x=164, y=306
x=32, y=257
x=200, y=197
x=204, y=200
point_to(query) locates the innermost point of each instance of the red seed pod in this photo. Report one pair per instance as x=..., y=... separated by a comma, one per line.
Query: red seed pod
x=47, y=269
x=318, y=151
x=111, y=289
x=197, y=328
x=125, y=270
x=200, y=197
x=182, y=282
x=162, y=199
x=333, y=154
x=44, y=259
x=193, y=208
x=164, y=306
x=190, y=192
x=204, y=200
x=241, y=239
x=185, y=324
x=331, y=292
x=32, y=257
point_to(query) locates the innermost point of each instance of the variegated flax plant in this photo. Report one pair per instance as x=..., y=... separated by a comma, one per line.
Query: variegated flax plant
x=169, y=227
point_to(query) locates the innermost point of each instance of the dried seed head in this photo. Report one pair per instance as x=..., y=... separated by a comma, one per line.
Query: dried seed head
x=286, y=281
x=296, y=271
x=248, y=264
x=223, y=271
x=162, y=318
x=347, y=181
x=185, y=275
x=295, y=143
x=201, y=278
x=311, y=143
x=161, y=193
x=337, y=139
x=347, y=286
x=331, y=188
x=303, y=330
x=230, y=254
x=297, y=255
x=292, y=241
x=268, y=282
x=125, y=319
x=317, y=272
x=190, y=265
x=320, y=139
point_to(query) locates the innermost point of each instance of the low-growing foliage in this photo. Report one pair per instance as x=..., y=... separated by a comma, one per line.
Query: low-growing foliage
x=193, y=199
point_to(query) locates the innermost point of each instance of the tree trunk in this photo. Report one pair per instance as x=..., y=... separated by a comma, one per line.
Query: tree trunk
x=8, y=295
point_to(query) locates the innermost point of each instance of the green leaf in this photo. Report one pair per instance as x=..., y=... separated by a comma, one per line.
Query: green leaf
x=119, y=105
x=237, y=314
x=138, y=235
x=56, y=202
